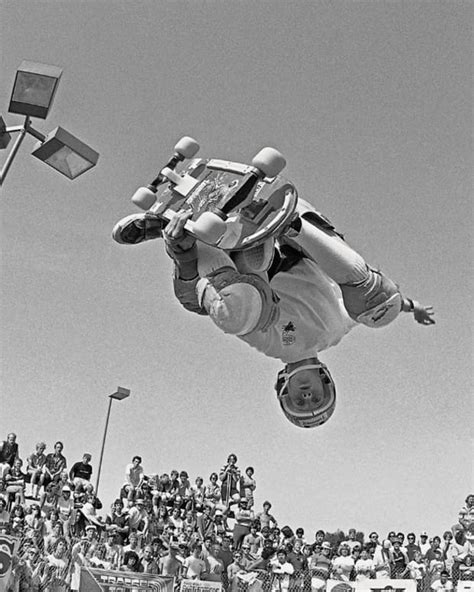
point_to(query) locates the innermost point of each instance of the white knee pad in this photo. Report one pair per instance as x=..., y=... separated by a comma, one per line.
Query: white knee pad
x=236, y=308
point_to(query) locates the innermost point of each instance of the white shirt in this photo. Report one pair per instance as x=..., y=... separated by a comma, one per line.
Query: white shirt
x=312, y=315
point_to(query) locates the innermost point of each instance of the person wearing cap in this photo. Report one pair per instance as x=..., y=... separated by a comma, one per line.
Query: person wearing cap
x=423, y=543
x=138, y=517
x=290, y=302
x=443, y=584
x=65, y=505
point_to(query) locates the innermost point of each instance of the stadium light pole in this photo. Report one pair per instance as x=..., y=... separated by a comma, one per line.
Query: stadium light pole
x=32, y=96
x=120, y=394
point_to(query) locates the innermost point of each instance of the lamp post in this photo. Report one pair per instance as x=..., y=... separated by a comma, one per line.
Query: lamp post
x=32, y=96
x=120, y=394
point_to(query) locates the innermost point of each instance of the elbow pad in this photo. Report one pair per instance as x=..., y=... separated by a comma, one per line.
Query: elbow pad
x=238, y=303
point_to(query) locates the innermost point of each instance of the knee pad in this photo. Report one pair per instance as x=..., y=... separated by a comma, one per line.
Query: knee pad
x=374, y=302
x=238, y=303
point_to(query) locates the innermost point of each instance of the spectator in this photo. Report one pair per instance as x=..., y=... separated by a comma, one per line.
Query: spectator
x=466, y=513
x=212, y=495
x=35, y=524
x=176, y=520
x=134, y=475
x=248, y=486
x=254, y=540
x=320, y=567
x=319, y=537
x=17, y=520
x=281, y=570
x=193, y=566
x=184, y=491
x=265, y=518
x=246, y=553
x=55, y=462
x=424, y=543
x=351, y=539
x=34, y=469
x=138, y=518
x=133, y=545
x=237, y=567
x=299, y=533
x=434, y=547
x=81, y=471
x=287, y=536
x=170, y=565
x=244, y=518
x=15, y=481
x=443, y=584
x=148, y=562
x=411, y=547
x=65, y=505
x=78, y=559
x=119, y=521
x=343, y=565
x=383, y=561
x=399, y=561
x=113, y=549
x=51, y=539
x=364, y=567
x=198, y=492
x=417, y=569
x=99, y=558
x=215, y=566
x=299, y=562
x=205, y=523
x=8, y=451
x=466, y=569
x=131, y=562
x=57, y=576
x=230, y=479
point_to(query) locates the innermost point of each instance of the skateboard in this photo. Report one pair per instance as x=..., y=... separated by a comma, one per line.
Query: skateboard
x=235, y=206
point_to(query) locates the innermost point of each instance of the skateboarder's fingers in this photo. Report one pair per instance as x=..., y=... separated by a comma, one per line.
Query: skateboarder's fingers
x=175, y=227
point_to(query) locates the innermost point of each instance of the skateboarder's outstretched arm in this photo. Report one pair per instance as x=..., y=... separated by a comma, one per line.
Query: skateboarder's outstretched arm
x=423, y=314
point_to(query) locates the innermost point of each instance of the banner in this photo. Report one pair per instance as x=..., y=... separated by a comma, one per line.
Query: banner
x=106, y=580
x=465, y=586
x=381, y=585
x=7, y=550
x=200, y=586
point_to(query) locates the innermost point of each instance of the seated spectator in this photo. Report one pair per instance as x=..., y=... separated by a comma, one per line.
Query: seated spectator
x=184, y=491
x=35, y=524
x=193, y=566
x=131, y=562
x=466, y=568
x=288, y=536
x=466, y=513
x=133, y=545
x=281, y=570
x=205, y=523
x=320, y=567
x=54, y=464
x=81, y=471
x=134, y=475
x=177, y=520
x=138, y=518
x=248, y=486
x=51, y=539
x=113, y=549
x=254, y=540
x=51, y=518
x=34, y=469
x=364, y=567
x=443, y=584
x=198, y=492
x=32, y=570
x=15, y=481
x=8, y=452
x=212, y=495
x=299, y=534
x=343, y=564
x=434, y=547
x=119, y=521
x=17, y=520
x=148, y=562
x=417, y=570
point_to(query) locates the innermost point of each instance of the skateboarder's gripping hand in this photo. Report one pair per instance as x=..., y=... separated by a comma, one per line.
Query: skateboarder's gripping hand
x=177, y=240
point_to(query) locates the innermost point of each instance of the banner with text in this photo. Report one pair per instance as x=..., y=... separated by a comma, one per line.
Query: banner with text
x=382, y=585
x=105, y=580
x=200, y=586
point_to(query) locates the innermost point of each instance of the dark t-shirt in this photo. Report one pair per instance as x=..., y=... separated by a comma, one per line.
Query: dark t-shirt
x=81, y=470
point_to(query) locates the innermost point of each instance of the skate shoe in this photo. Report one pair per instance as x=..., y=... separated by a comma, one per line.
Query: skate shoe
x=137, y=228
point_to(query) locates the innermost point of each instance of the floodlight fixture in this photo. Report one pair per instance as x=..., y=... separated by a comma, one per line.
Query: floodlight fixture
x=66, y=153
x=34, y=89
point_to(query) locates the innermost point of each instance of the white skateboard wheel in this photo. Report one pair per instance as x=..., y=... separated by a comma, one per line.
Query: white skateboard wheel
x=144, y=198
x=209, y=228
x=269, y=161
x=186, y=147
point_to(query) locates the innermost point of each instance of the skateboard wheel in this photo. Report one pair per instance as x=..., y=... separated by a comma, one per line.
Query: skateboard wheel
x=186, y=147
x=269, y=161
x=144, y=198
x=209, y=228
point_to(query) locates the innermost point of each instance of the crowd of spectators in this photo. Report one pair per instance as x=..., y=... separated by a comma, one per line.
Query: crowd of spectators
x=202, y=529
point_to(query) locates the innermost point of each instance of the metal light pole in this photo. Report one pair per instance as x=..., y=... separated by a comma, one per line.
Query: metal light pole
x=32, y=96
x=119, y=395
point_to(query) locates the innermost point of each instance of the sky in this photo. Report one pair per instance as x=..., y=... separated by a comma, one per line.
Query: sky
x=371, y=104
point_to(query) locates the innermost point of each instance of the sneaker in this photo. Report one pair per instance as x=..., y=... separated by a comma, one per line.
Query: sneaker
x=256, y=259
x=137, y=228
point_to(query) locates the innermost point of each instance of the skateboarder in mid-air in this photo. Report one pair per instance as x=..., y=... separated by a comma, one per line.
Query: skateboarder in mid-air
x=289, y=302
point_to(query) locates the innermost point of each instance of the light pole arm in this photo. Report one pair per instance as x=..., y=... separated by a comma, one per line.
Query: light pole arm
x=103, y=447
x=24, y=129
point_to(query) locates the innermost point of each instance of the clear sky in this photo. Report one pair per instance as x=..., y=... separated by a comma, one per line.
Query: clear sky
x=371, y=103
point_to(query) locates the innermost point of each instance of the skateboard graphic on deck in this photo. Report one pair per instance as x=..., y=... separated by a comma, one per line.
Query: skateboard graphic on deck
x=235, y=206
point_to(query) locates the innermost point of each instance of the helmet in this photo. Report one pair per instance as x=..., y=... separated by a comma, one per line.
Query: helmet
x=322, y=409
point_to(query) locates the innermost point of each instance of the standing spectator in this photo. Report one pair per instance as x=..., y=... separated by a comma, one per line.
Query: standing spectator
x=411, y=547
x=230, y=479
x=254, y=540
x=299, y=562
x=34, y=468
x=443, y=584
x=417, y=570
x=193, y=566
x=177, y=520
x=281, y=570
x=55, y=462
x=447, y=547
x=118, y=520
x=364, y=567
x=343, y=565
x=148, y=562
x=434, y=547
x=265, y=518
x=399, y=561
x=248, y=486
x=383, y=561
x=424, y=543
x=81, y=471
x=351, y=539
x=57, y=576
x=236, y=568
x=65, y=507
x=319, y=537
x=299, y=534
x=205, y=523
x=133, y=545
x=131, y=562
x=320, y=567
x=134, y=475
x=113, y=549
x=215, y=565
x=8, y=451
x=436, y=566
x=15, y=481
x=35, y=524
x=184, y=490
x=170, y=565
x=78, y=559
x=244, y=518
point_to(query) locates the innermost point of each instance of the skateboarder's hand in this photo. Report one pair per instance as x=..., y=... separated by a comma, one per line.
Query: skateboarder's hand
x=423, y=314
x=174, y=234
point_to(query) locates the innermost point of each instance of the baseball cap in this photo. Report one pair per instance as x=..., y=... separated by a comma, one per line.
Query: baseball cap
x=326, y=545
x=424, y=534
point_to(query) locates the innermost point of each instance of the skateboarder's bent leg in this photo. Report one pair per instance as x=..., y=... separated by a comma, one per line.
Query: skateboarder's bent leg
x=238, y=303
x=369, y=296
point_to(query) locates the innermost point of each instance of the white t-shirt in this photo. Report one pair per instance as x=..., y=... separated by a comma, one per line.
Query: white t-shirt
x=312, y=315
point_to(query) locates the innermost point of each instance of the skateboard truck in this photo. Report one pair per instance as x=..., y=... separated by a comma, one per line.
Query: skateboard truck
x=185, y=148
